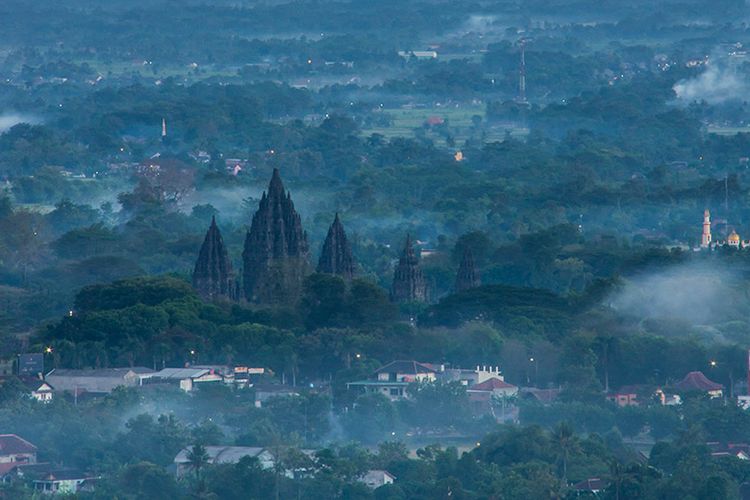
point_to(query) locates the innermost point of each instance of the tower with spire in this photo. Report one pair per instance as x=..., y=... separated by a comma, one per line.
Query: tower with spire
x=706, y=237
x=467, y=276
x=408, y=280
x=213, y=277
x=275, y=257
x=163, y=128
x=336, y=257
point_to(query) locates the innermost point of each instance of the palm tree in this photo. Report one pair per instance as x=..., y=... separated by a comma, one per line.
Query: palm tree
x=566, y=443
x=198, y=458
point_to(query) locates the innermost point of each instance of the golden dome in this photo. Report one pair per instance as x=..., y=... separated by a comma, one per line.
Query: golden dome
x=734, y=238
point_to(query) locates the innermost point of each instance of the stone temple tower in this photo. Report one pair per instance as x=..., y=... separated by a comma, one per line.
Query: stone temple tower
x=706, y=237
x=467, y=276
x=336, y=257
x=212, y=276
x=275, y=258
x=408, y=280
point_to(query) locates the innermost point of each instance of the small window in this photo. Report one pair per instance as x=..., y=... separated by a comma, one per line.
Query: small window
x=395, y=392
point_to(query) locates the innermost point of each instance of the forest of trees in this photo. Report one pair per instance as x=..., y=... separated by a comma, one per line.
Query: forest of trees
x=580, y=201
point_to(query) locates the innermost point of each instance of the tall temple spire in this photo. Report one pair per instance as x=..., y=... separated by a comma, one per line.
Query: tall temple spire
x=706, y=237
x=163, y=128
x=408, y=280
x=336, y=257
x=467, y=276
x=212, y=276
x=275, y=258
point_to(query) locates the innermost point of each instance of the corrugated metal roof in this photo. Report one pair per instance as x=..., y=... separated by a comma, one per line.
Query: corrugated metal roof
x=180, y=373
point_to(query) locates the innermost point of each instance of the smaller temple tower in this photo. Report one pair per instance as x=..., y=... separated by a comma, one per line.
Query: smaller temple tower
x=408, y=280
x=213, y=277
x=336, y=257
x=706, y=237
x=467, y=276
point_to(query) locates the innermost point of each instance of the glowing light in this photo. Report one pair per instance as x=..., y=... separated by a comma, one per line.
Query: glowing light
x=48, y=349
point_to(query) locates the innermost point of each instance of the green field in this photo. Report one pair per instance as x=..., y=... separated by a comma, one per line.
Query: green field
x=719, y=130
x=458, y=118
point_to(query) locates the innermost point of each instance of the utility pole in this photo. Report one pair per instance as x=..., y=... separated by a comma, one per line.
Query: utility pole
x=522, y=73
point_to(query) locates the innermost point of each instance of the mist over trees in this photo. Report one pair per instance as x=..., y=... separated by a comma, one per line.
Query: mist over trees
x=565, y=332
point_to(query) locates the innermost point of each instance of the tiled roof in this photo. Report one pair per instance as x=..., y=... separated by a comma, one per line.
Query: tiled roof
x=7, y=467
x=492, y=384
x=401, y=366
x=11, y=444
x=696, y=381
x=592, y=484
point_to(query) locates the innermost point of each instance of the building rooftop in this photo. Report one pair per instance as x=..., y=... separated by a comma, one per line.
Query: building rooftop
x=491, y=385
x=378, y=383
x=180, y=373
x=100, y=372
x=221, y=454
x=593, y=484
x=64, y=475
x=696, y=381
x=402, y=366
x=11, y=444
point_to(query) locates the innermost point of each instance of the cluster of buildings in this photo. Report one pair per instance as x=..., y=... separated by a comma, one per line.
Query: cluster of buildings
x=693, y=382
x=87, y=383
x=276, y=258
x=485, y=385
x=18, y=463
x=707, y=241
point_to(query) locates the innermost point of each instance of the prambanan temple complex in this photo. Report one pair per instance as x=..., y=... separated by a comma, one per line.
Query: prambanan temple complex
x=276, y=258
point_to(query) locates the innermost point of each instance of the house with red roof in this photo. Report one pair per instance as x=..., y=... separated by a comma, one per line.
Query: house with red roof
x=491, y=397
x=591, y=486
x=14, y=449
x=495, y=387
x=698, y=382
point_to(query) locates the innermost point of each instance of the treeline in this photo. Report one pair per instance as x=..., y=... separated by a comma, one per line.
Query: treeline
x=131, y=456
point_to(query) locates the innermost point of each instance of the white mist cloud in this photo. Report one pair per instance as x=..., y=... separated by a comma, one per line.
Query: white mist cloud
x=717, y=84
x=479, y=23
x=697, y=293
x=8, y=120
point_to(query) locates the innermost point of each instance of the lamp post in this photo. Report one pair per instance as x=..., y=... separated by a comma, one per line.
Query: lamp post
x=533, y=361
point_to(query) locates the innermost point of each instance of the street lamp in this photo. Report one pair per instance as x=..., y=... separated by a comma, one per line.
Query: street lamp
x=533, y=361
